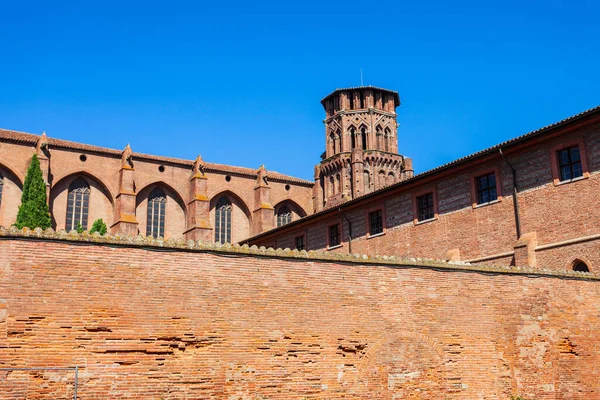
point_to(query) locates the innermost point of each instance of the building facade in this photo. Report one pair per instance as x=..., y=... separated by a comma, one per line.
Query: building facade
x=529, y=201
x=149, y=195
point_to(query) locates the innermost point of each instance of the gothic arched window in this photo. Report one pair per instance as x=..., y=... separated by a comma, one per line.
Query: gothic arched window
x=223, y=221
x=367, y=181
x=363, y=134
x=78, y=203
x=386, y=139
x=284, y=216
x=353, y=137
x=155, y=221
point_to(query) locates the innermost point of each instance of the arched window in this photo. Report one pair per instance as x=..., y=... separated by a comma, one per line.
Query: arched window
x=331, y=186
x=353, y=137
x=284, y=216
x=379, y=137
x=351, y=98
x=78, y=204
x=1, y=185
x=223, y=221
x=390, y=178
x=381, y=179
x=363, y=134
x=338, y=184
x=580, y=266
x=386, y=139
x=155, y=217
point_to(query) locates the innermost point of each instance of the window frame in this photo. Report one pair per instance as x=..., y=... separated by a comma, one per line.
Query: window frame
x=474, y=187
x=556, y=176
x=83, y=206
x=416, y=196
x=151, y=206
x=303, y=237
x=369, y=211
x=339, y=227
x=228, y=232
x=290, y=213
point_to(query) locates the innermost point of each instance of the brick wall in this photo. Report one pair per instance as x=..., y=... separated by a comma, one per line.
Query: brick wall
x=100, y=168
x=166, y=323
x=556, y=213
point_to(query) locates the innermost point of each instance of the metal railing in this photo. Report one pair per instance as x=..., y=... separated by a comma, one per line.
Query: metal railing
x=75, y=368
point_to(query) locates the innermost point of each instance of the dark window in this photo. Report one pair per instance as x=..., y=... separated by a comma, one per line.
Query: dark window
x=425, y=206
x=334, y=235
x=78, y=204
x=569, y=163
x=486, y=188
x=363, y=133
x=299, y=242
x=155, y=216
x=353, y=137
x=351, y=98
x=284, y=216
x=580, y=266
x=362, y=99
x=1, y=185
x=223, y=221
x=375, y=222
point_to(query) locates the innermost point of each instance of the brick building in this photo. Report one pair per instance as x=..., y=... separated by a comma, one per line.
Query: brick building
x=154, y=196
x=529, y=201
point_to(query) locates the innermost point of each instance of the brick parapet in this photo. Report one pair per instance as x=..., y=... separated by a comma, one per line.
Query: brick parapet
x=324, y=256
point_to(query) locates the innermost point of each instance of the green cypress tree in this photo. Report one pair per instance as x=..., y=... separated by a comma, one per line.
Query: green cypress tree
x=33, y=211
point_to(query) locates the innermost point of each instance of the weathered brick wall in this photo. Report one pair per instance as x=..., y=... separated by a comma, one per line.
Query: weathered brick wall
x=556, y=213
x=168, y=323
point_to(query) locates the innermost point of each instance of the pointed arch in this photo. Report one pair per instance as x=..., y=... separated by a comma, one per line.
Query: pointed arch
x=352, y=131
x=155, y=213
x=80, y=197
x=379, y=137
x=228, y=209
x=223, y=220
x=78, y=204
x=160, y=211
x=363, y=136
x=386, y=139
x=287, y=211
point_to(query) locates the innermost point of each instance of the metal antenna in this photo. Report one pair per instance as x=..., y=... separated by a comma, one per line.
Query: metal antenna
x=361, y=79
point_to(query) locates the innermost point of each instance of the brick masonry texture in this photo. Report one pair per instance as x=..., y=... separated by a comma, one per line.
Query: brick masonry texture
x=563, y=216
x=155, y=319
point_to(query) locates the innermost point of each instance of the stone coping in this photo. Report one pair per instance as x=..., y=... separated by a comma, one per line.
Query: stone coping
x=245, y=250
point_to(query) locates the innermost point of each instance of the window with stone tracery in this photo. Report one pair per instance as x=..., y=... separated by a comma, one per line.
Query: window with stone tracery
x=284, y=216
x=78, y=202
x=155, y=221
x=223, y=221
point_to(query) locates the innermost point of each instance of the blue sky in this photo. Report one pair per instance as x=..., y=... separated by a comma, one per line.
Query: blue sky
x=241, y=83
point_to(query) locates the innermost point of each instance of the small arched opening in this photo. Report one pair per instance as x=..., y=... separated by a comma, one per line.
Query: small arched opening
x=580, y=266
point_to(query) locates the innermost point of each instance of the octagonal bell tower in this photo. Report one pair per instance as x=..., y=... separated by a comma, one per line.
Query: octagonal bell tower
x=361, y=139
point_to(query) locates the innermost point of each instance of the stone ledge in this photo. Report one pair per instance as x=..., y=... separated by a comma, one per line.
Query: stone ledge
x=362, y=259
